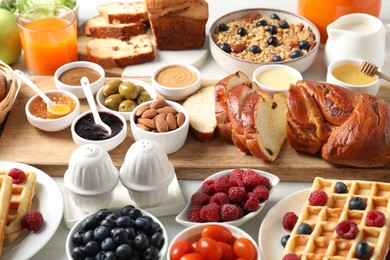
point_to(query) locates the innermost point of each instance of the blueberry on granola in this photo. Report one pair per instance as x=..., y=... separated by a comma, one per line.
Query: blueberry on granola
x=277, y=58
x=304, y=45
x=274, y=16
x=255, y=49
x=242, y=31
x=283, y=25
x=272, y=41
x=225, y=47
x=261, y=23
x=223, y=27
x=296, y=54
x=272, y=29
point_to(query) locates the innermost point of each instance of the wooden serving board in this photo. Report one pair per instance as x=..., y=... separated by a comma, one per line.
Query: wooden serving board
x=51, y=152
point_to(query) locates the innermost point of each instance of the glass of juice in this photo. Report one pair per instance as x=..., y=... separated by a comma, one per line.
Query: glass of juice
x=49, y=37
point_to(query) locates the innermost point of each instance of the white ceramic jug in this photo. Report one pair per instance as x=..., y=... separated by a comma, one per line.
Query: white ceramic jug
x=356, y=36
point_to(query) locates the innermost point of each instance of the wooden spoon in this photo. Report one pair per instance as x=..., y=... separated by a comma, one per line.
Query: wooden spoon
x=370, y=69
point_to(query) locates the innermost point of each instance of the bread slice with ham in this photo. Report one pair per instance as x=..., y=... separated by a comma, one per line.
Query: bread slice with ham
x=221, y=90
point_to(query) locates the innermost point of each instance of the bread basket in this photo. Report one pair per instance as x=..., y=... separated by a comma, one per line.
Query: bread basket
x=12, y=91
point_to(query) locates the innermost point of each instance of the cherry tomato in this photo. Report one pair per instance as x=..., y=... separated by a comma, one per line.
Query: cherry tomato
x=195, y=247
x=209, y=248
x=227, y=251
x=244, y=248
x=179, y=249
x=192, y=256
x=218, y=233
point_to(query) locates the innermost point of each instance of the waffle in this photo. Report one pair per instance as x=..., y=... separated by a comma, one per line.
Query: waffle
x=5, y=196
x=324, y=242
x=20, y=204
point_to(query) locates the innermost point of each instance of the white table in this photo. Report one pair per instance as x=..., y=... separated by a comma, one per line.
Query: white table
x=55, y=249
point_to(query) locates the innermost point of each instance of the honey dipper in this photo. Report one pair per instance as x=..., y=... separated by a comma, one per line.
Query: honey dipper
x=370, y=69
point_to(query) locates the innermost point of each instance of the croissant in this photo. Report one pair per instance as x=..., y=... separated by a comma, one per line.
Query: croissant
x=344, y=127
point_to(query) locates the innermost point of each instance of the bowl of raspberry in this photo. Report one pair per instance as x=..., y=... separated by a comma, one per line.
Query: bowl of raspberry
x=231, y=196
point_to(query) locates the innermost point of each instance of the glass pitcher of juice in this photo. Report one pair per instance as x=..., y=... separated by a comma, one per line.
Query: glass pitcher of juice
x=324, y=12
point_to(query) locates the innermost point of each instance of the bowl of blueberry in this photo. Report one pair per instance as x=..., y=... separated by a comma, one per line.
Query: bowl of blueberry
x=117, y=233
x=249, y=38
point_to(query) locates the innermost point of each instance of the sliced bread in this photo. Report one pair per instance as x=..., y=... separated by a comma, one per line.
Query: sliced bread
x=221, y=90
x=98, y=27
x=201, y=109
x=120, y=53
x=124, y=12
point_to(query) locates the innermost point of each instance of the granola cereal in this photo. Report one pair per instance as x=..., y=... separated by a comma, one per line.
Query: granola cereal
x=264, y=38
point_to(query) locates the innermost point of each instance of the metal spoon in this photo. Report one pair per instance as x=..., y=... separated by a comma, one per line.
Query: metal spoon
x=91, y=101
x=52, y=107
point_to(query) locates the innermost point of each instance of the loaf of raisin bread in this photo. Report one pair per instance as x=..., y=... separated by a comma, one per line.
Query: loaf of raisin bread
x=124, y=12
x=120, y=53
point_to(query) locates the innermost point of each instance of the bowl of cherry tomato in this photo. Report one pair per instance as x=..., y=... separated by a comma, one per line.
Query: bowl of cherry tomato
x=213, y=241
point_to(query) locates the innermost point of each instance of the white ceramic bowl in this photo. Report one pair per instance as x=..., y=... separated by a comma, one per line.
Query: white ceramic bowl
x=271, y=89
x=146, y=173
x=91, y=177
x=193, y=234
x=107, y=144
x=148, y=88
x=78, y=90
x=371, y=88
x=177, y=93
x=182, y=217
x=69, y=245
x=171, y=141
x=57, y=124
x=232, y=64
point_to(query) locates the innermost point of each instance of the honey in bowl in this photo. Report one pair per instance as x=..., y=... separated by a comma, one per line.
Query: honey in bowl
x=176, y=77
x=38, y=107
x=351, y=74
x=73, y=76
x=276, y=78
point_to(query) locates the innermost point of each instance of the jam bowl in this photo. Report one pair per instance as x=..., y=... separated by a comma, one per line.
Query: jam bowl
x=91, y=177
x=39, y=116
x=85, y=131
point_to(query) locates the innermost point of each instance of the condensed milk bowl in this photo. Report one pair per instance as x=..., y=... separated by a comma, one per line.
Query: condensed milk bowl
x=176, y=81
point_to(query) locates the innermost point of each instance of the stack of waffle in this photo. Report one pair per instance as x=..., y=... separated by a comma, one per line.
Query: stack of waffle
x=15, y=203
x=324, y=242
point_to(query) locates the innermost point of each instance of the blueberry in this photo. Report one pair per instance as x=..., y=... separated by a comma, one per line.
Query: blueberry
x=101, y=256
x=141, y=241
x=108, y=223
x=112, y=217
x=283, y=25
x=101, y=232
x=296, y=54
x=102, y=214
x=242, y=31
x=131, y=233
x=357, y=203
x=110, y=255
x=255, y=49
x=261, y=23
x=90, y=222
x=125, y=211
x=305, y=228
x=157, y=240
x=304, y=45
x=123, y=251
x=77, y=238
x=108, y=244
x=223, y=27
x=92, y=248
x=274, y=16
x=272, y=41
x=225, y=47
x=284, y=240
x=362, y=250
x=156, y=227
x=78, y=253
x=272, y=29
x=276, y=58
x=150, y=253
x=123, y=221
x=120, y=236
x=341, y=187
x=142, y=223
x=88, y=236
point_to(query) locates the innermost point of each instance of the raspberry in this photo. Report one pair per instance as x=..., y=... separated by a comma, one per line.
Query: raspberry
x=194, y=213
x=199, y=198
x=208, y=187
x=289, y=220
x=237, y=194
x=262, y=193
x=265, y=182
x=235, y=177
x=290, y=256
x=32, y=221
x=375, y=219
x=251, y=179
x=230, y=212
x=222, y=184
x=211, y=212
x=220, y=198
x=347, y=229
x=17, y=175
x=318, y=198
x=251, y=203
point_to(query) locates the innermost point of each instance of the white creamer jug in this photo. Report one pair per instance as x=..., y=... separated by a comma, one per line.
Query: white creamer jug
x=356, y=36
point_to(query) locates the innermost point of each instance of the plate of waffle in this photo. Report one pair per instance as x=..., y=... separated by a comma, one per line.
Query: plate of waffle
x=37, y=192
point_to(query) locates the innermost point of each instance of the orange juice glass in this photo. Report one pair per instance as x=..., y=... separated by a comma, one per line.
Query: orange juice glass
x=324, y=12
x=49, y=37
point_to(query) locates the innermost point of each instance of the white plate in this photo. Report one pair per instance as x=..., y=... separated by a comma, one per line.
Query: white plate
x=48, y=200
x=182, y=218
x=171, y=205
x=271, y=229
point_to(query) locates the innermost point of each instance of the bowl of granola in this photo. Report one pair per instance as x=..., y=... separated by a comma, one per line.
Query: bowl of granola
x=247, y=39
